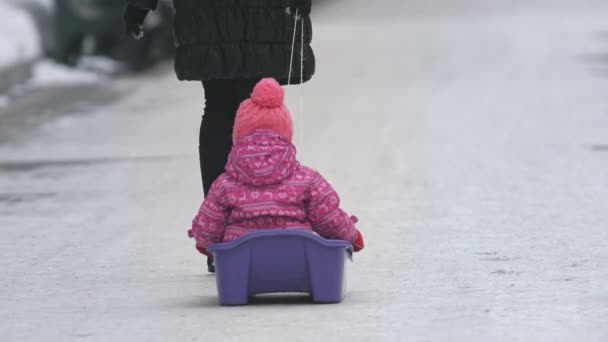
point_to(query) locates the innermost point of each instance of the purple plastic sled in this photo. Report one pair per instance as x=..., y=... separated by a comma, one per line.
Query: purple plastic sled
x=281, y=261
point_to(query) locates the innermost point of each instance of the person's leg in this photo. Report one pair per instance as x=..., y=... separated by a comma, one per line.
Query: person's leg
x=215, y=133
x=222, y=99
x=243, y=89
x=212, y=138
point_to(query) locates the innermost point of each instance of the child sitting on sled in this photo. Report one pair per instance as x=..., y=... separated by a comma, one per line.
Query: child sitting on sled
x=264, y=186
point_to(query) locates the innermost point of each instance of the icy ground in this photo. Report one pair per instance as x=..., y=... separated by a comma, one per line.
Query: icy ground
x=469, y=136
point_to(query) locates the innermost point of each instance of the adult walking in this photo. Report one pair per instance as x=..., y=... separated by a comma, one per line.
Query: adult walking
x=229, y=45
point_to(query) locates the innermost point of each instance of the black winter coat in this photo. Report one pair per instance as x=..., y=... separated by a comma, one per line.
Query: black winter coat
x=231, y=39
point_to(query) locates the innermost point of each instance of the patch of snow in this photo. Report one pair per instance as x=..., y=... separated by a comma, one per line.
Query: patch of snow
x=48, y=73
x=100, y=64
x=3, y=101
x=49, y=4
x=19, y=39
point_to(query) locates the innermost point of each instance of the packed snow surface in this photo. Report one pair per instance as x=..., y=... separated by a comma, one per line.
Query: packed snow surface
x=468, y=136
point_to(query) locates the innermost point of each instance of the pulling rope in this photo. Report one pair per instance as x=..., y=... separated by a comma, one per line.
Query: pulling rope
x=299, y=114
x=293, y=48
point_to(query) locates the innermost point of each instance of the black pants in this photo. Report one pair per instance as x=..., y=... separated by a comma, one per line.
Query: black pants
x=222, y=99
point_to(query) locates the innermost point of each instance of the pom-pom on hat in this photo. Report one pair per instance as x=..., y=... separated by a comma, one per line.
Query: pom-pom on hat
x=264, y=110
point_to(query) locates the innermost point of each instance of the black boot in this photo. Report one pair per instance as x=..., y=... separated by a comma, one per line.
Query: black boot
x=210, y=265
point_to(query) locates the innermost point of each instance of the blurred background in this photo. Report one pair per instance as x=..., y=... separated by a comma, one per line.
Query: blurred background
x=470, y=137
x=69, y=30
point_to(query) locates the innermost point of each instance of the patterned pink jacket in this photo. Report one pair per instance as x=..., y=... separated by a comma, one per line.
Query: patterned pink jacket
x=265, y=187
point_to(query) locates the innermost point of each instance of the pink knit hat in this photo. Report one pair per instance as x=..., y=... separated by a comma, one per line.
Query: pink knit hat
x=264, y=110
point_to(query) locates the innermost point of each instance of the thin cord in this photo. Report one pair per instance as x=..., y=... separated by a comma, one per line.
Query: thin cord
x=302, y=54
x=301, y=104
x=293, y=47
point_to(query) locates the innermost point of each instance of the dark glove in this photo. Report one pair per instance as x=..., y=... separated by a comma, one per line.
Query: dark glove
x=303, y=7
x=359, y=244
x=134, y=21
x=210, y=261
x=210, y=264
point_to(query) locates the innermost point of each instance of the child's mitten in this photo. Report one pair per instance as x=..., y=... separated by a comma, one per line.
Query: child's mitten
x=359, y=244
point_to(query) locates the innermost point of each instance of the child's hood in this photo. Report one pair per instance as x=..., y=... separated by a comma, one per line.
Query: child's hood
x=262, y=158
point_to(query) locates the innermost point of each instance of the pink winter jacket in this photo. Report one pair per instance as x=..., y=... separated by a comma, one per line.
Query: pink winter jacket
x=265, y=187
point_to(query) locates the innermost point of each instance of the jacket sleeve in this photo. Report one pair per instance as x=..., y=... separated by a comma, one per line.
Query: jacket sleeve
x=144, y=4
x=325, y=215
x=209, y=225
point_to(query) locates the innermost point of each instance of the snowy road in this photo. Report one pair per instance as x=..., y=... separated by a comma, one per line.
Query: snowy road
x=470, y=137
